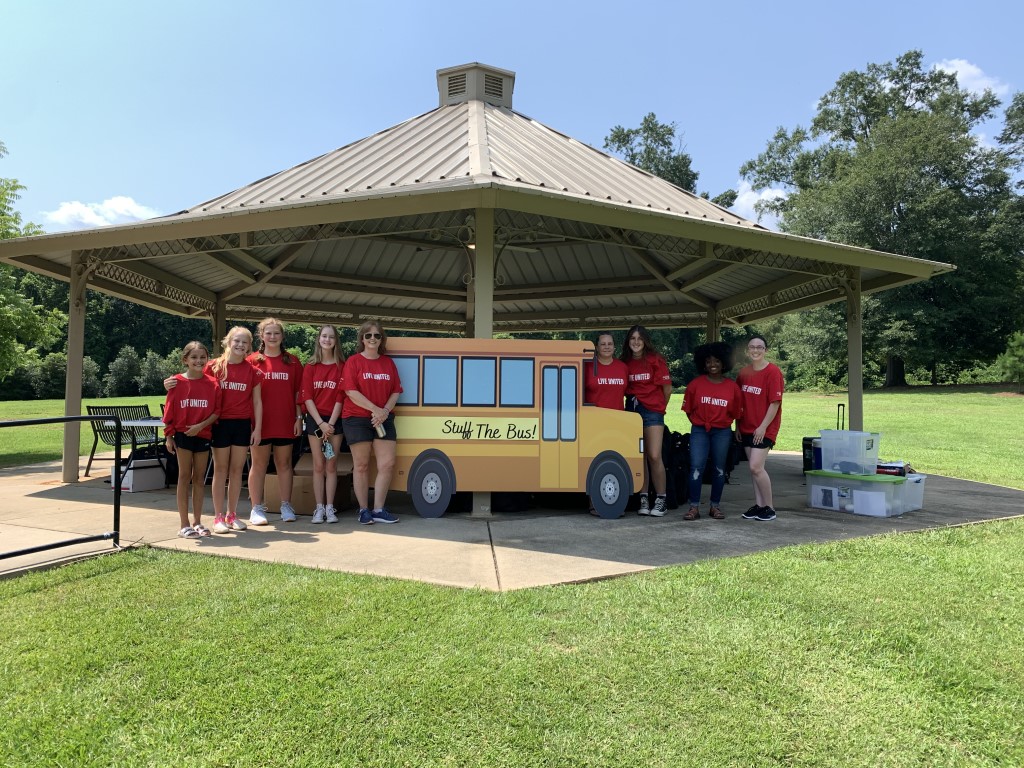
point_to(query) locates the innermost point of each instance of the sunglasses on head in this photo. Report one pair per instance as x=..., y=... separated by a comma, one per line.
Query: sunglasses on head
x=371, y=336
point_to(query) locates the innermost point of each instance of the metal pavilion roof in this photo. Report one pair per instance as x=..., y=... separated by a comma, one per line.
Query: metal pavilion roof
x=384, y=227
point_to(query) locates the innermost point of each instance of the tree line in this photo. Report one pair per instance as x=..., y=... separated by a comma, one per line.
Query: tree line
x=893, y=160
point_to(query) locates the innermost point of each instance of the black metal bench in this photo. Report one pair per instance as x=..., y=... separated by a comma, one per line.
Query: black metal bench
x=131, y=436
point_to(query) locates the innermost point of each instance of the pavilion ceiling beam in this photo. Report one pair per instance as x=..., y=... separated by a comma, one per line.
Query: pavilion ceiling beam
x=387, y=289
x=589, y=287
x=286, y=257
x=388, y=284
x=715, y=272
x=641, y=255
x=230, y=266
x=167, y=278
x=121, y=291
x=335, y=308
x=598, y=314
x=783, y=284
x=41, y=266
x=784, y=308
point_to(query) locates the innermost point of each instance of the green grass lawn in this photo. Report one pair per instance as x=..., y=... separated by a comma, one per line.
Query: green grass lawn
x=970, y=433
x=899, y=650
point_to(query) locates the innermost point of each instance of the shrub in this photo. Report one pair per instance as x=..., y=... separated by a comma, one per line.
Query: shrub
x=49, y=380
x=153, y=369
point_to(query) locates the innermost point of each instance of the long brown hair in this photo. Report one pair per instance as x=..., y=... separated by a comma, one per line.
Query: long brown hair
x=318, y=352
x=645, y=337
x=286, y=356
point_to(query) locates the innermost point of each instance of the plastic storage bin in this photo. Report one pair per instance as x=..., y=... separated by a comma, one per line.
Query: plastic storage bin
x=872, y=495
x=849, y=453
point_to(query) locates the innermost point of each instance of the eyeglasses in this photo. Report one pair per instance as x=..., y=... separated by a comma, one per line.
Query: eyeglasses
x=369, y=336
x=754, y=347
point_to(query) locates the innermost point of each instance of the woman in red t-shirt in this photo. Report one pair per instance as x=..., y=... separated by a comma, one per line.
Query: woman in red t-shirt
x=191, y=407
x=282, y=419
x=239, y=426
x=322, y=395
x=372, y=388
x=712, y=403
x=649, y=388
x=604, y=380
x=762, y=385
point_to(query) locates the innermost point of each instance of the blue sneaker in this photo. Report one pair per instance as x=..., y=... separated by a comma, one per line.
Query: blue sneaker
x=365, y=518
x=383, y=516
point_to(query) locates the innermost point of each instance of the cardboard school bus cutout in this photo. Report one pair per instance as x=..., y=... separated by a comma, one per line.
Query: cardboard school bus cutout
x=508, y=415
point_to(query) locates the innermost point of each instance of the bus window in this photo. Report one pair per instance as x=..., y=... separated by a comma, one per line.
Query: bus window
x=568, y=405
x=440, y=380
x=516, y=382
x=478, y=381
x=409, y=375
x=549, y=408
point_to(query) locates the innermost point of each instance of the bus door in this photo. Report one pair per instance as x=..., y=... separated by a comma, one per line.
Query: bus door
x=559, y=446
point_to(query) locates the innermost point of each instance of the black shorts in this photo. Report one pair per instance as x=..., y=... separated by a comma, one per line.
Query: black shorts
x=193, y=444
x=358, y=429
x=766, y=442
x=312, y=426
x=275, y=441
x=229, y=432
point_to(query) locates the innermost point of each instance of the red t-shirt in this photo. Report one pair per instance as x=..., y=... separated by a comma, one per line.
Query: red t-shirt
x=376, y=380
x=760, y=389
x=605, y=385
x=190, y=402
x=280, y=392
x=236, y=390
x=647, y=376
x=322, y=383
x=711, y=405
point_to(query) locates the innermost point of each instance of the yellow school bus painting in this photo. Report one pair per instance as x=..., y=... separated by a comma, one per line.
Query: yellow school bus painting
x=508, y=415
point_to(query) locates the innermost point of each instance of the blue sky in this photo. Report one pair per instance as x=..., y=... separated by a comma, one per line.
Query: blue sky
x=115, y=110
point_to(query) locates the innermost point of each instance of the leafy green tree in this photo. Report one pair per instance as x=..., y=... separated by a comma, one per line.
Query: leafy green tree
x=22, y=324
x=891, y=162
x=123, y=374
x=1010, y=364
x=654, y=147
x=154, y=368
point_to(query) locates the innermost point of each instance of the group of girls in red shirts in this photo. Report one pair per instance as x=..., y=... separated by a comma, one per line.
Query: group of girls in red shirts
x=640, y=381
x=251, y=403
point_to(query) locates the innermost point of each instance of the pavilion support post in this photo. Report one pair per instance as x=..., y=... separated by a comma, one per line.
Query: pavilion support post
x=714, y=326
x=219, y=321
x=73, y=379
x=483, y=303
x=854, y=349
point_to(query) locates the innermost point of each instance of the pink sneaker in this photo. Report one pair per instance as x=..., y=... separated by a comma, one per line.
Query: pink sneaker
x=234, y=523
x=220, y=525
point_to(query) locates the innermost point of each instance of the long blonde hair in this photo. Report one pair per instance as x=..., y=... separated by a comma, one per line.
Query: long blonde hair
x=219, y=367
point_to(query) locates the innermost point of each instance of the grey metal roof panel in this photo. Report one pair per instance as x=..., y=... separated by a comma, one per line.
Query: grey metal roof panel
x=435, y=147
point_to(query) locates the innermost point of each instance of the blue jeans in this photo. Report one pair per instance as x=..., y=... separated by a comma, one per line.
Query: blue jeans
x=716, y=442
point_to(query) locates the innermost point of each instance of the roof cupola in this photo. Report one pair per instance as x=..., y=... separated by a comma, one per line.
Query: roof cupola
x=475, y=81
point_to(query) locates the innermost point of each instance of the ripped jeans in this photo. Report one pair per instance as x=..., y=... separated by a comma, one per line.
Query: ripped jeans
x=702, y=442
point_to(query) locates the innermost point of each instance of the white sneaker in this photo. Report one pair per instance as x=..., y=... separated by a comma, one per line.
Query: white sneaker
x=234, y=523
x=258, y=516
x=287, y=513
x=332, y=514
x=319, y=514
x=220, y=525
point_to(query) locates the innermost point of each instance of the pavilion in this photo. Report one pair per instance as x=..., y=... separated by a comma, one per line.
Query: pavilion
x=471, y=218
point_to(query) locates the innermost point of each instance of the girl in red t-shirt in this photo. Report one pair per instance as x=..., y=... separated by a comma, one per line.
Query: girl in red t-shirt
x=712, y=402
x=649, y=388
x=282, y=419
x=372, y=388
x=239, y=426
x=322, y=395
x=191, y=407
x=762, y=384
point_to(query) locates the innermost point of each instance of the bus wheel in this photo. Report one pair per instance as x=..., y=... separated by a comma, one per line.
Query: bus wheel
x=609, y=487
x=431, y=483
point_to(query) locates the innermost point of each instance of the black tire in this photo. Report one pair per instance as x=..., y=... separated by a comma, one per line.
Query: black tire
x=609, y=485
x=431, y=483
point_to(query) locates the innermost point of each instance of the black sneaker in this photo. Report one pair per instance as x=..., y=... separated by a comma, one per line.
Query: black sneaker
x=752, y=513
x=766, y=513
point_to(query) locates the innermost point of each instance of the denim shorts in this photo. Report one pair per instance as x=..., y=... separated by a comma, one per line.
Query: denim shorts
x=650, y=418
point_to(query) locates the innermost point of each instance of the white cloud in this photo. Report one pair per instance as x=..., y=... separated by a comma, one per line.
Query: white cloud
x=747, y=197
x=116, y=210
x=971, y=77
